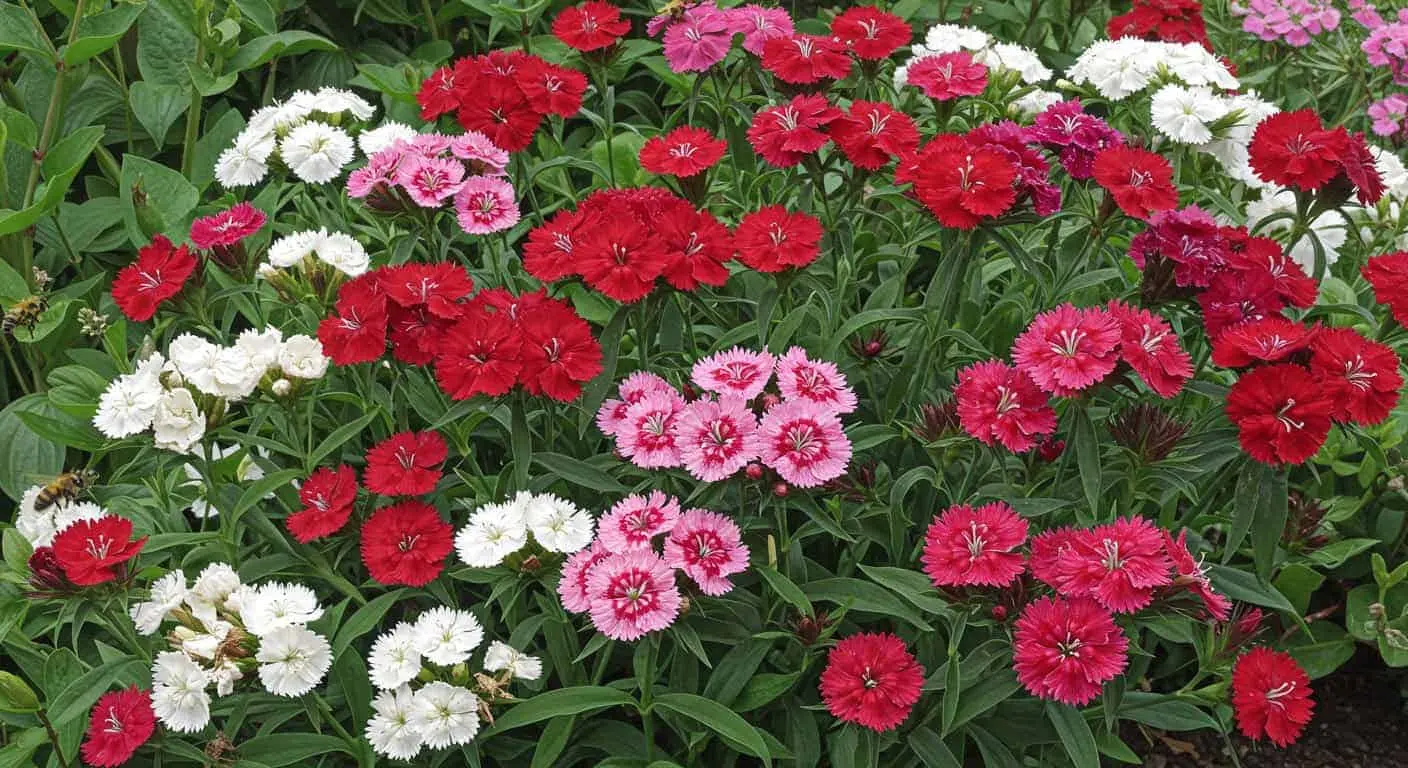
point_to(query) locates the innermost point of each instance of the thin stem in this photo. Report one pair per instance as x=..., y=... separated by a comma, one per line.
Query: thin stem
x=44, y=718
x=430, y=19
x=46, y=134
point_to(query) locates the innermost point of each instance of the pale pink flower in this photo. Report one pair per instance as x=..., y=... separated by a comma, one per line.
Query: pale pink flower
x=737, y=372
x=804, y=443
x=632, y=593
x=716, y=438
x=379, y=170
x=639, y=384
x=646, y=435
x=485, y=204
x=636, y=520
x=699, y=40
x=429, y=144
x=758, y=25
x=572, y=587
x=817, y=381
x=708, y=547
x=429, y=181
x=480, y=152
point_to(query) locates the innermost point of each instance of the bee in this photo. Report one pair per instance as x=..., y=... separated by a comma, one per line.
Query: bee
x=66, y=487
x=673, y=8
x=25, y=313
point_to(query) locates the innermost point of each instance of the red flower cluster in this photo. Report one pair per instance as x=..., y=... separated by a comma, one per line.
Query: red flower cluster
x=1295, y=149
x=870, y=33
x=1173, y=21
x=412, y=305
x=159, y=273
x=1271, y=696
x=1139, y=181
x=96, y=551
x=806, y=59
x=328, y=496
x=683, y=152
x=120, y=722
x=871, y=680
x=406, y=543
x=502, y=94
x=591, y=26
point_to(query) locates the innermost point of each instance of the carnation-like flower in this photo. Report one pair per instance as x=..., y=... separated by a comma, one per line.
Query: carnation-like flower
x=708, y=547
x=804, y=443
x=1361, y=375
x=445, y=714
x=485, y=204
x=1139, y=181
x=159, y=273
x=1271, y=696
x=1000, y=404
x=646, y=434
x=786, y=134
x=316, y=152
x=758, y=24
x=1066, y=350
x=804, y=59
x=737, y=373
x=178, y=692
x=274, y=605
x=700, y=39
x=716, y=438
x=246, y=161
x=871, y=680
x=1282, y=414
x=631, y=594
x=947, y=76
x=292, y=660
x=227, y=227
x=120, y=722
x=1264, y=340
x=636, y=520
x=816, y=381
x=587, y=27
x=1118, y=565
x=572, y=587
x=389, y=730
x=1191, y=574
x=1186, y=114
x=178, y=423
x=975, y=546
x=685, y=151
x=872, y=133
x=395, y=658
x=405, y=464
x=406, y=543
x=167, y=594
x=96, y=551
x=502, y=657
x=1149, y=345
x=494, y=532
x=446, y=636
x=1066, y=650
x=870, y=33
x=557, y=524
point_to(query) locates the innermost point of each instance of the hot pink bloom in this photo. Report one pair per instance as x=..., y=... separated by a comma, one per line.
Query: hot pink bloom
x=804, y=443
x=1066, y=349
x=872, y=680
x=948, y=76
x=483, y=155
x=572, y=588
x=1000, y=404
x=708, y=547
x=1191, y=575
x=429, y=181
x=379, y=172
x=815, y=381
x=646, y=435
x=1066, y=650
x=699, y=40
x=632, y=593
x=636, y=520
x=737, y=372
x=485, y=204
x=1048, y=547
x=758, y=25
x=1118, y=565
x=1149, y=345
x=227, y=227
x=716, y=438
x=967, y=545
x=636, y=386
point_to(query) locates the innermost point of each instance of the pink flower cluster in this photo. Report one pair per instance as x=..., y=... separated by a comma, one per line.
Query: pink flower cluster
x=799, y=434
x=1389, y=114
x=1064, y=352
x=430, y=169
x=627, y=587
x=1293, y=21
x=1387, y=46
x=700, y=35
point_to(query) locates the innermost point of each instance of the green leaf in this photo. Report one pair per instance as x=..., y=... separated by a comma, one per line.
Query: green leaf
x=1075, y=735
x=719, y=719
x=559, y=703
x=169, y=199
x=79, y=696
x=366, y=619
x=19, y=33
x=1246, y=498
x=158, y=106
x=338, y=436
x=1164, y=712
x=931, y=750
x=1088, y=460
x=101, y=31
x=16, y=695
x=279, y=749
x=578, y=472
x=786, y=589
x=165, y=44
x=1270, y=522
x=864, y=597
x=262, y=50
x=979, y=698
x=61, y=165
x=763, y=689
x=26, y=459
x=208, y=83
x=1240, y=585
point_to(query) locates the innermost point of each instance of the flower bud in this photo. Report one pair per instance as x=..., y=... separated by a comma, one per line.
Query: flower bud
x=754, y=470
x=770, y=401
x=281, y=388
x=999, y=612
x=779, y=489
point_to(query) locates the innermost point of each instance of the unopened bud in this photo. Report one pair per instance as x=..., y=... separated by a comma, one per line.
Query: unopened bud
x=281, y=387
x=999, y=612
x=770, y=401
x=780, y=490
x=754, y=470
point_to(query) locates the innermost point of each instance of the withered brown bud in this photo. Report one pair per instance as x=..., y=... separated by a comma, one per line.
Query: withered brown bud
x=1147, y=431
x=937, y=420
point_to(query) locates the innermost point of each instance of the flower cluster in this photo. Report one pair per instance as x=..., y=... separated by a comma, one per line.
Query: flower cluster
x=504, y=95
x=303, y=134
x=1172, y=21
x=1118, y=69
x=406, y=542
x=977, y=47
x=429, y=169
x=496, y=533
x=1296, y=150
x=1294, y=22
x=310, y=249
x=1387, y=46
x=75, y=543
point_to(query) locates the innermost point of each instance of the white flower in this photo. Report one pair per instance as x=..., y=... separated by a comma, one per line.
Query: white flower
x=494, y=532
x=245, y=162
x=204, y=645
x=343, y=253
x=167, y=594
x=281, y=387
x=129, y=404
x=947, y=38
x=275, y=605
x=212, y=590
x=334, y=101
x=195, y=360
x=446, y=636
x=225, y=675
x=178, y=424
x=292, y=660
x=1393, y=172
x=316, y=152
x=1015, y=58
x=1116, y=68
x=262, y=347
x=445, y=714
x=383, y=136
x=40, y=526
x=502, y=656
x=178, y=692
x=1183, y=114
x=282, y=115
x=1193, y=64
x=390, y=731
x=237, y=373
x=292, y=249
x=302, y=358
x=394, y=660
x=1328, y=230
x=558, y=524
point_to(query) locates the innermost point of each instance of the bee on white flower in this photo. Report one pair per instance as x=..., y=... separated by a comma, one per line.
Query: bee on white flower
x=446, y=636
x=40, y=526
x=316, y=152
x=292, y=660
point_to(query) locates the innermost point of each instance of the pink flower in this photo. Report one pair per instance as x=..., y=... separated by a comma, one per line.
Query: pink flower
x=699, y=40
x=429, y=181
x=1149, y=345
x=1389, y=114
x=572, y=588
x=380, y=171
x=708, y=547
x=737, y=372
x=1118, y=565
x=948, y=76
x=483, y=155
x=636, y=520
x=1192, y=575
x=716, y=438
x=804, y=443
x=636, y=386
x=1066, y=650
x=646, y=435
x=758, y=25
x=1066, y=349
x=632, y=593
x=485, y=204
x=974, y=546
x=820, y=382
x=227, y=227
x=1000, y=404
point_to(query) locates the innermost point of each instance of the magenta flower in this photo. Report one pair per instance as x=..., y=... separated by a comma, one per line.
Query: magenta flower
x=572, y=587
x=646, y=435
x=485, y=204
x=975, y=546
x=632, y=593
x=1066, y=349
x=636, y=520
x=699, y=40
x=708, y=547
x=716, y=438
x=758, y=25
x=804, y=443
x=1388, y=114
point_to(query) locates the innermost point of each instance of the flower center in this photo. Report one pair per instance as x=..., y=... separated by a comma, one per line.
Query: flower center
x=1284, y=417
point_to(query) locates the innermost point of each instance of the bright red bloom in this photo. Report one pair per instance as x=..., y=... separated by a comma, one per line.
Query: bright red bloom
x=871, y=680
x=559, y=352
x=1173, y=21
x=805, y=59
x=551, y=89
x=438, y=94
x=416, y=335
x=1067, y=349
x=1360, y=376
x=1271, y=696
x=697, y=247
x=1235, y=297
x=440, y=288
x=786, y=134
x=1282, y=413
x=872, y=133
x=1265, y=340
x=492, y=99
x=1048, y=547
x=1262, y=254
x=405, y=464
x=406, y=543
x=590, y=26
x=1118, y=565
x=159, y=273
x=1294, y=149
x=870, y=33
x=961, y=184
x=120, y=722
x=948, y=76
x=1149, y=345
x=771, y=239
x=1192, y=576
x=482, y=354
x=1140, y=181
x=619, y=257
x=227, y=227
x=1000, y=404
x=1033, y=172
x=548, y=254
x=1066, y=650
x=974, y=546
x=357, y=332
x=683, y=152
x=96, y=551
x=327, y=496
x=1388, y=274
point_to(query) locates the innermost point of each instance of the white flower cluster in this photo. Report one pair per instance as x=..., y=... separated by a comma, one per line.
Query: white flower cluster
x=303, y=131
x=1120, y=68
x=40, y=526
x=985, y=49
x=152, y=397
x=226, y=630
x=438, y=714
x=495, y=531
x=339, y=250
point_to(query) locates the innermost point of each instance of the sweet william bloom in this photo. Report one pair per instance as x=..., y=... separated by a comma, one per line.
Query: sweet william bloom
x=559, y=353
x=975, y=546
x=871, y=680
x=548, y=254
x=635, y=521
x=738, y=373
x=1265, y=340
x=1271, y=696
x=1066, y=650
x=159, y=273
x=96, y=551
x=948, y=76
x=1282, y=413
x=961, y=184
x=572, y=587
x=1190, y=574
x=787, y=134
x=685, y=151
x=179, y=698
x=646, y=434
x=1139, y=181
x=870, y=33
x=1235, y=297
x=1294, y=149
x=1118, y=565
x=1047, y=550
x=292, y=660
x=1077, y=135
x=121, y=722
x=327, y=496
x=771, y=239
x=1388, y=274
x=429, y=181
x=1360, y=376
x=700, y=39
x=804, y=443
x=759, y=24
x=635, y=387
x=708, y=547
x=716, y=438
x=1266, y=256
x=481, y=354
x=316, y=152
x=551, y=89
x=1190, y=238
x=227, y=227
x=357, y=332
x=619, y=257
x=405, y=464
x=806, y=59
x=445, y=714
x=1033, y=181
x=872, y=133
x=406, y=543
x=502, y=657
x=1066, y=350
x=1149, y=345
x=485, y=204
x=816, y=381
x=389, y=730
x=1000, y=404
x=631, y=594
x=590, y=26
x=697, y=247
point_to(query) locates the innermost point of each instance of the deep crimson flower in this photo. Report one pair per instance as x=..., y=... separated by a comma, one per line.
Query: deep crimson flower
x=1140, y=181
x=227, y=227
x=416, y=335
x=870, y=33
x=697, y=247
x=327, y=496
x=559, y=352
x=1271, y=696
x=1000, y=404
x=96, y=551
x=1294, y=149
x=619, y=257
x=1358, y=165
x=871, y=680
x=1262, y=254
x=482, y=354
x=1190, y=238
x=551, y=89
x=1235, y=297
x=975, y=546
x=683, y=152
x=438, y=94
x=1173, y=21
x=548, y=254
x=590, y=26
x=948, y=76
x=1066, y=650
x=406, y=543
x=120, y=722
x=959, y=183
x=1118, y=565
x=405, y=464
x=1149, y=345
x=1282, y=413
x=872, y=133
x=771, y=239
x=356, y=333
x=440, y=288
x=1360, y=376
x=497, y=107
x=159, y=273
x=1190, y=574
x=805, y=59
x=1033, y=172
x=1066, y=349
x=1264, y=340
x=786, y=134
x=1388, y=274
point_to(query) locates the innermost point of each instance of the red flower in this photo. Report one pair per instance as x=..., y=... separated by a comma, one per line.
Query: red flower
x=440, y=288
x=1140, y=181
x=548, y=254
x=683, y=152
x=1271, y=696
x=482, y=354
x=804, y=59
x=771, y=239
x=999, y=404
x=227, y=227
x=327, y=496
x=438, y=95
x=1149, y=345
x=1190, y=575
x=1066, y=650
x=1262, y=254
x=96, y=551
x=697, y=248
x=1359, y=168
x=1033, y=172
x=551, y=89
x=1173, y=21
x=1360, y=377
x=1048, y=547
x=872, y=680
x=872, y=133
x=1282, y=413
x=947, y=76
x=121, y=722
x=590, y=26
x=786, y=134
x=1118, y=565
x=416, y=335
x=406, y=543
x=1190, y=238
x=974, y=546
x=619, y=257
x=559, y=352
x=1235, y=297
x=870, y=33
x=961, y=184
x=160, y=272
x=357, y=332
x=1294, y=149
x=1067, y=349
x=1265, y=340
x=1388, y=274
x=497, y=107
x=405, y=464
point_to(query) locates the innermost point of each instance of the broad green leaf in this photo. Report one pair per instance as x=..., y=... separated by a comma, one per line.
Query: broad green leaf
x=158, y=106
x=339, y=436
x=26, y=459
x=719, y=719
x=166, y=197
x=1165, y=712
x=261, y=50
x=280, y=749
x=101, y=31
x=79, y=696
x=1240, y=585
x=979, y=698
x=366, y=619
x=578, y=472
x=786, y=589
x=864, y=597
x=16, y=695
x=165, y=44
x=61, y=164
x=18, y=32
